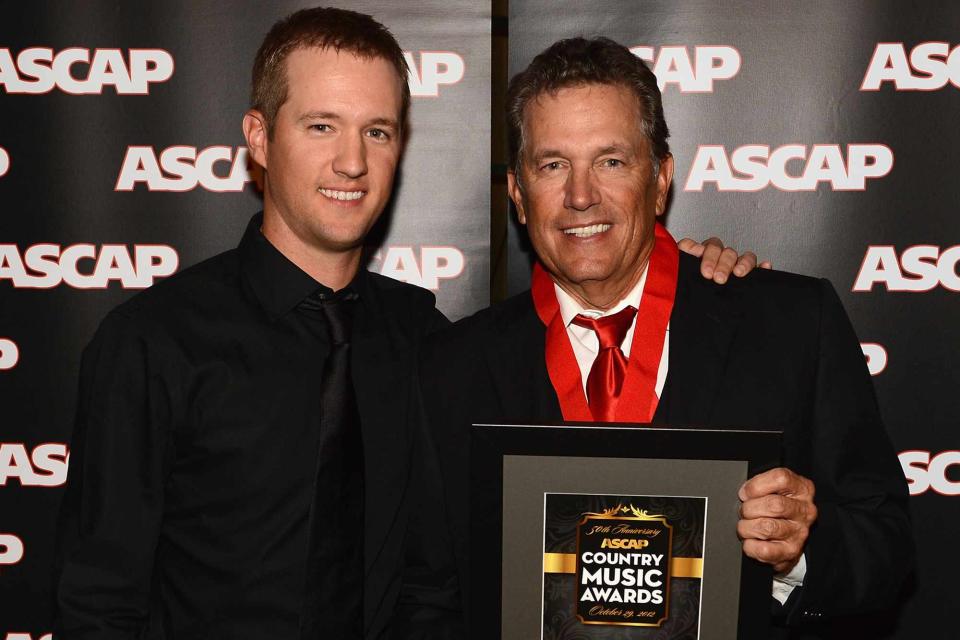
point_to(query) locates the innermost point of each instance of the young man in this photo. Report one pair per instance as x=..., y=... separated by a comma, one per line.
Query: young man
x=245, y=462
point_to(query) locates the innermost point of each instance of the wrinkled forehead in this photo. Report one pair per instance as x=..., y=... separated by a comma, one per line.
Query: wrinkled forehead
x=580, y=113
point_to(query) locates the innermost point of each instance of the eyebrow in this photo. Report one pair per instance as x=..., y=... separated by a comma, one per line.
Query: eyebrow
x=547, y=153
x=612, y=148
x=319, y=115
x=554, y=153
x=385, y=122
x=329, y=115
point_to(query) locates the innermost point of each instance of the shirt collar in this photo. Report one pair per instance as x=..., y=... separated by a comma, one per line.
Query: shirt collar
x=278, y=284
x=570, y=308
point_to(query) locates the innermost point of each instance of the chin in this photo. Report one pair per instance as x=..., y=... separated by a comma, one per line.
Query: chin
x=340, y=245
x=586, y=273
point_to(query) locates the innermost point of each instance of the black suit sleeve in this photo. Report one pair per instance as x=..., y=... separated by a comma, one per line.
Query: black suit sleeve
x=429, y=606
x=110, y=518
x=860, y=549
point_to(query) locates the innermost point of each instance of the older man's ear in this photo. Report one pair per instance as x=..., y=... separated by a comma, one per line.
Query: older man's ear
x=717, y=261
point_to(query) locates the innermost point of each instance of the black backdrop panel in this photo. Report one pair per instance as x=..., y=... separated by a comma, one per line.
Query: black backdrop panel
x=823, y=136
x=122, y=160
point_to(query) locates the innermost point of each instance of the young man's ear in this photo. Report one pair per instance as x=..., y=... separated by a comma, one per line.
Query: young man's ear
x=255, y=132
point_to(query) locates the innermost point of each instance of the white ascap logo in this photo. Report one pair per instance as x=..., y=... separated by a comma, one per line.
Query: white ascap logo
x=4, y=162
x=930, y=67
x=183, y=168
x=9, y=354
x=876, y=356
x=673, y=65
x=926, y=471
x=434, y=69
x=83, y=266
x=920, y=268
x=74, y=71
x=434, y=264
x=792, y=167
x=45, y=466
x=11, y=549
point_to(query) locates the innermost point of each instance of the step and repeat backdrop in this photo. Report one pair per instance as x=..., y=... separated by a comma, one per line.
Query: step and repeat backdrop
x=824, y=136
x=821, y=135
x=122, y=161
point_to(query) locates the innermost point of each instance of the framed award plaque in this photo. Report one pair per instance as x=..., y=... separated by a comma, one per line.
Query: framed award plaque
x=614, y=532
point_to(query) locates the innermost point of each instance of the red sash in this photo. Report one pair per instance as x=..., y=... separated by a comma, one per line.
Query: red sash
x=638, y=400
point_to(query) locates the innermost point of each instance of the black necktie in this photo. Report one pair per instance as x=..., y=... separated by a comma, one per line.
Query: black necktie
x=333, y=594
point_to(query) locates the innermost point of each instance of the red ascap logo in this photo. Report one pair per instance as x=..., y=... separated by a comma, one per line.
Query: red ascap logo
x=926, y=471
x=78, y=71
x=184, y=168
x=792, y=167
x=930, y=67
x=876, y=356
x=426, y=270
x=11, y=549
x=691, y=74
x=919, y=269
x=84, y=266
x=45, y=466
x=435, y=68
x=9, y=354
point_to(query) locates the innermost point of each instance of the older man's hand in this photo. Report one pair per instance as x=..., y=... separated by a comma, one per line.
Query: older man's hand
x=776, y=513
x=717, y=261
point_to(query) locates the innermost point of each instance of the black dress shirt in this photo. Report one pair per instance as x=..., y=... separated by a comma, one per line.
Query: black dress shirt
x=194, y=452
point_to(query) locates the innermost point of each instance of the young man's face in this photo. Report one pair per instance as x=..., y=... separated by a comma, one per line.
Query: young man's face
x=334, y=150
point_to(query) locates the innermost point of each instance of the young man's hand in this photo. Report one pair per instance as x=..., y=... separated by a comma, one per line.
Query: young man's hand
x=717, y=261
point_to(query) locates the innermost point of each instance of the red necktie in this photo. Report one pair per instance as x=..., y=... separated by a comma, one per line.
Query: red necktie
x=610, y=368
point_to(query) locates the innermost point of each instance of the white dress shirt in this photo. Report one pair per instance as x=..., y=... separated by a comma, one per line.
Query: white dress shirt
x=586, y=346
x=584, y=340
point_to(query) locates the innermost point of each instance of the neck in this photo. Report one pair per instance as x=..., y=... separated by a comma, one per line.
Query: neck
x=603, y=295
x=334, y=269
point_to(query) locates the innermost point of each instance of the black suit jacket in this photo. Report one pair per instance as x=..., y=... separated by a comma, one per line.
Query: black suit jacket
x=410, y=588
x=770, y=351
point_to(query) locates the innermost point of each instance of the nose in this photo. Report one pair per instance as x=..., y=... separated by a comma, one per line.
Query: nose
x=351, y=157
x=581, y=191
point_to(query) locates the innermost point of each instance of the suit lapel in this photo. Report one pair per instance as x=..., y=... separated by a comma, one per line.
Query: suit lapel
x=702, y=327
x=382, y=366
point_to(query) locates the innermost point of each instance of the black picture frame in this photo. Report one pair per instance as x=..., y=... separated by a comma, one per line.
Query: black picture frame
x=559, y=446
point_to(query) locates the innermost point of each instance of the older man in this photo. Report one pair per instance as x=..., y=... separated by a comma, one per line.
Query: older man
x=613, y=300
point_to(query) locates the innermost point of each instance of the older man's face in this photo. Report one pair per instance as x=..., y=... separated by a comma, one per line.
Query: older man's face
x=587, y=191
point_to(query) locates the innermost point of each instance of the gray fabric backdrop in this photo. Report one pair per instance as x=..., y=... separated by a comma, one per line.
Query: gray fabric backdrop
x=827, y=87
x=96, y=167
x=865, y=95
